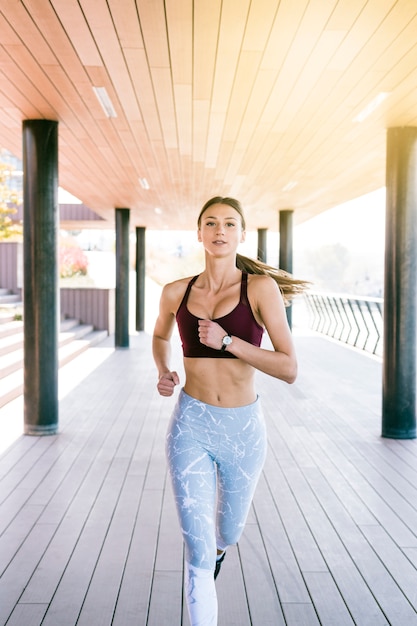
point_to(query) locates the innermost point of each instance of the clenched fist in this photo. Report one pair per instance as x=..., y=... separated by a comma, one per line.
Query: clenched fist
x=167, y=382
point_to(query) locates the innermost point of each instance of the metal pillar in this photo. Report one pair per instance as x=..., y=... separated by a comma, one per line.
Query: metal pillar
x=285, y=248
x=40, y=281
x=400, y=303
x=140, y=278
x=122, y=278
x=262, y=245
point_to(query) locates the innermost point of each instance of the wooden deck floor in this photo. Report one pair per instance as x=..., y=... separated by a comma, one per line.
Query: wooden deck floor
x=89, y=536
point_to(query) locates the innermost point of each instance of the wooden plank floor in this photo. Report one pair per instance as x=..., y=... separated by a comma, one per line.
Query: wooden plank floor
x=89, y=536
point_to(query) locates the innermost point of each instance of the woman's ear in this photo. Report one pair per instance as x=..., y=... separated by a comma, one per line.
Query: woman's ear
x=243, y=238
x=198, y=234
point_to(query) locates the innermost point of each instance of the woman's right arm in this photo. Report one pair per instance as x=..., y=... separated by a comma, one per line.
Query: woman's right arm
x=161, y=346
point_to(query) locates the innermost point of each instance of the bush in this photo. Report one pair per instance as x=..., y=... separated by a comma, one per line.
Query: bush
x=72, y=260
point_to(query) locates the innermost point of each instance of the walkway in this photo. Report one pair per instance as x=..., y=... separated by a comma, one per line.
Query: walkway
x=89, y=536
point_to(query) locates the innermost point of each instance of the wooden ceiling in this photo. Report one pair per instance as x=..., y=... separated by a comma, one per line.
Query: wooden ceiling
x=256, y=99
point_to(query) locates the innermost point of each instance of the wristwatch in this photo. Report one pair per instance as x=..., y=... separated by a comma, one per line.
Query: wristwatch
x=227, y=340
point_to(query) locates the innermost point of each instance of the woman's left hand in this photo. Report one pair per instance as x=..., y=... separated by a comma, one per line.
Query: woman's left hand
x=211, y=334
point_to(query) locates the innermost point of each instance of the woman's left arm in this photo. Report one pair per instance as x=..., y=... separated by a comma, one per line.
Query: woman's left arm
x=267, y=301
x=281, y=362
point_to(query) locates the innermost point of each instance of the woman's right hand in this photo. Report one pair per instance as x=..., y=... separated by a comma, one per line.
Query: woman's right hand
x=167, y=382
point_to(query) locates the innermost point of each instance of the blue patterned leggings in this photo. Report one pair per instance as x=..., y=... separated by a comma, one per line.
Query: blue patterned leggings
x=215, y=457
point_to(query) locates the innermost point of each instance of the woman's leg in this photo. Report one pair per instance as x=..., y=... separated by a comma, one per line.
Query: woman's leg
x=240, y=461
x=203, y=440
x=193, y=475
x=200, y=594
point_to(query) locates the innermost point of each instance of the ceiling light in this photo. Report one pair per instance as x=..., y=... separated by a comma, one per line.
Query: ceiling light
x=106, y=103
x=158, y=211
x=370, y=108
x=144, y=183
x=290, y=185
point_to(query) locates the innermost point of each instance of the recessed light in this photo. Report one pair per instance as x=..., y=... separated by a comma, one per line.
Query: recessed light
x=370, y=108
x=290, y=185
x=144, y=183
x=104, y=99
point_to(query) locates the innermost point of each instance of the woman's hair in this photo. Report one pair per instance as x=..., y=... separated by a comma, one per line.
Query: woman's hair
x=235, y=204
x=288, y=285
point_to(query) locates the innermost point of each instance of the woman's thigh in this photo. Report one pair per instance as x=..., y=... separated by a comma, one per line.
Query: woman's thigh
x=206, y=444
x=240, y=462
x=193, y=476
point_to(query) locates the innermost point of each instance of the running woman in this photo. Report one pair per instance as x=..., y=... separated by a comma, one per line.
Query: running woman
x=216, y=441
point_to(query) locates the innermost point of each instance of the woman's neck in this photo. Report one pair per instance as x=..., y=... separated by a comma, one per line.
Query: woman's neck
x=220, y=274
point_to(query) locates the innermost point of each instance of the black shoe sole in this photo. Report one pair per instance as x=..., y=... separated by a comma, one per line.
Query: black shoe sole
x=218, y=565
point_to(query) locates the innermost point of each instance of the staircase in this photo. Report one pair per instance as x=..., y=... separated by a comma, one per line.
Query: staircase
x=8, y=299
x=74, y=338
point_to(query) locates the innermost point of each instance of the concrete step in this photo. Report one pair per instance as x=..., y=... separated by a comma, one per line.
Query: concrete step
x=11, y=387
x=69, y=342
x=6, y=316
x=11, y=362
x=77, y=331
x=10, y=307
x=69, y=351
x=73, y=339
x=7, y=297
x=10, y=327
x=11, y=342
x=11, y=334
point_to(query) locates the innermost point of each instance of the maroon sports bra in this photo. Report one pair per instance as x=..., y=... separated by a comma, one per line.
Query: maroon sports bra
x=240, y=322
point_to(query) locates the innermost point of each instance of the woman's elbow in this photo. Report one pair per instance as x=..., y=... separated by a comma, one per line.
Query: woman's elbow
x=292, y=378
x=291, y=372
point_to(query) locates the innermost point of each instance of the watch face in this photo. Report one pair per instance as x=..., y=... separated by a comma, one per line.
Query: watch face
x=227, y=340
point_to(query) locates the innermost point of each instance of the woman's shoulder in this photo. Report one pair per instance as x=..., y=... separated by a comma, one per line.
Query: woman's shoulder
x=261, y=281
x=262, y=289
x=174, y=291
x=178, y=285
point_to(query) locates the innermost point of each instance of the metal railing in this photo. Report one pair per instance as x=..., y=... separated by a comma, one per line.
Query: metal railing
x=351, y=319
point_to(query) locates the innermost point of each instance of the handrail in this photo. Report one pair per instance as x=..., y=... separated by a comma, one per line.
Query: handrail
x=354, y=320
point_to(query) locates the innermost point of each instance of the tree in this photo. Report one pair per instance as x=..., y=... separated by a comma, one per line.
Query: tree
x=9, y=200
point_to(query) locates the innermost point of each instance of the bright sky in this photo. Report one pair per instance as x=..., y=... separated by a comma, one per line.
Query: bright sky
x=65, y=197
x=359, y=223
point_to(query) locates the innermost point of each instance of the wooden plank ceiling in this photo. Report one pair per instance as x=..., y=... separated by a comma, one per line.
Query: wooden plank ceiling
x=251, y=98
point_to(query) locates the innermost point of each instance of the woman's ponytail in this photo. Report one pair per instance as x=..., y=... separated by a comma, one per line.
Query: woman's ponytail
x=288, y=285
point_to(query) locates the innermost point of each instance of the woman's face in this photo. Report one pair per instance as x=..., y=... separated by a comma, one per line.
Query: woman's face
x=221, y=229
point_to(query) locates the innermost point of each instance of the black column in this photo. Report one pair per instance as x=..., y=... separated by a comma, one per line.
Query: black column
x=140, y=278
x=285, y=248
x=399, y=361
x=40, y=281
x=122, y=278
x=262, y=246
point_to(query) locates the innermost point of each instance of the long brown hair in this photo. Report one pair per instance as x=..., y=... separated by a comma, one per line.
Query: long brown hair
x=288, y=285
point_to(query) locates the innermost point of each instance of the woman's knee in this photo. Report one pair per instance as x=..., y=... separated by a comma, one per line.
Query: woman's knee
x=228, y=535
x=233, y=510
